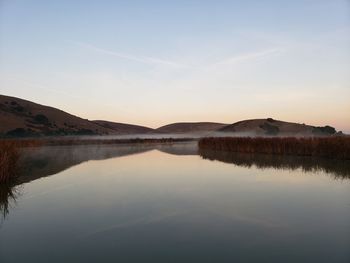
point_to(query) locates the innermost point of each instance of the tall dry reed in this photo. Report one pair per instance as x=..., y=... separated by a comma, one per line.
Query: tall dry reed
x=338, y=169
x=9, y=155
x=337, y=147
x=8, y=195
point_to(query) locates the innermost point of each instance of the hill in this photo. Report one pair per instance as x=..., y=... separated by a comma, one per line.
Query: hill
x=190, y=127
x=20, y=117
x=270, y=126
x=123, y=128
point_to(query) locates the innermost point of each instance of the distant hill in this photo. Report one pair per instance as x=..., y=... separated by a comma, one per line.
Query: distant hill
x=270, y=126
x=24, y=118
x=123, y=128
x=190, y=127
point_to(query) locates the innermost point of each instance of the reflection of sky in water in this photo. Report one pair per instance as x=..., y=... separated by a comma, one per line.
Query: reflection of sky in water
x=159, y=207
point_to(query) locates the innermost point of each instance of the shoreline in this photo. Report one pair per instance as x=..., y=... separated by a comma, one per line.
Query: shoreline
x=330, y=147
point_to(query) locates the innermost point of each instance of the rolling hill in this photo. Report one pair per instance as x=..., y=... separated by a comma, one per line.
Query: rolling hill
x=123, y=128
x=269, y=126
x=190, y=127
x=20, y=118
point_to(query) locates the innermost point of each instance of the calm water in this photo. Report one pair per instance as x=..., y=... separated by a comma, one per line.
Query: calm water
x=166, y=203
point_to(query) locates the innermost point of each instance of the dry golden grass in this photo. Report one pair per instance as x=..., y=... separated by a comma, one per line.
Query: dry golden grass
x=8, y=160
x=8, y=194
x=9, y=155
x=337, y=147
x=338, y=169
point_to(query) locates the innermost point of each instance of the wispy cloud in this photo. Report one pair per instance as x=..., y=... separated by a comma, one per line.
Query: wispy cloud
x=250, y=56
x=141, y=59
x=240, y=58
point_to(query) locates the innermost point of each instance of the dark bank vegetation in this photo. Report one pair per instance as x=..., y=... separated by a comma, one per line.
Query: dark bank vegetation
x=9, y=156
x=8, y=161
x=338, y=168
x=337, y=147
x=8, y=195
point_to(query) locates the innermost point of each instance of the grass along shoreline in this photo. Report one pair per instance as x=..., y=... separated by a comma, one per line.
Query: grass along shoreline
x=9, y=155
x=337, y=147
x=339, y=169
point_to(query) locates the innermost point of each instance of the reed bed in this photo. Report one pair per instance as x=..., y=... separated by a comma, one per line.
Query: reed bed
x=337, y=147
x=9, y=156
x=8, y=161
x=339, y=169
x=8, y=195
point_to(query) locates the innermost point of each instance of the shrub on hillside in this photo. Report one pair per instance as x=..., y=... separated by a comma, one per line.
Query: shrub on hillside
x=269, y=129
x=327, y=130
x=20, y=132
x=42, y=119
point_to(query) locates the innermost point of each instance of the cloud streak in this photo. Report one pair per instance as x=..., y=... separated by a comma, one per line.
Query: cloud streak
x=240, y=58
x=250, y=56
x=140, y=59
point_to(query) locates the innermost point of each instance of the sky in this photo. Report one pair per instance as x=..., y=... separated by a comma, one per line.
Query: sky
x=156, y=62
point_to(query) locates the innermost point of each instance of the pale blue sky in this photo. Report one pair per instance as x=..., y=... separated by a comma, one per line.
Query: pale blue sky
x=155, y=62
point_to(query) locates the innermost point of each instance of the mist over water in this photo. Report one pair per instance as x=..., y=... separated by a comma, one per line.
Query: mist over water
x=194, y=135
x=144, y=136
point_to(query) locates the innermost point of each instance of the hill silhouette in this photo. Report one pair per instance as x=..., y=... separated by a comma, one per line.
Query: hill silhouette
x=23, y=118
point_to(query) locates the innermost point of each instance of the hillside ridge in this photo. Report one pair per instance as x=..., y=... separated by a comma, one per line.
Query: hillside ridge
x=23, y=118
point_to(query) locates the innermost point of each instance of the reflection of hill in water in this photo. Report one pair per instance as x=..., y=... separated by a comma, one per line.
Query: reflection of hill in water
x=186, y=148
x=337, y=168
x=44, y=161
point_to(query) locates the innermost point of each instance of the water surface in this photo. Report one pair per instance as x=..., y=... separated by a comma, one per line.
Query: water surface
x=167, y=203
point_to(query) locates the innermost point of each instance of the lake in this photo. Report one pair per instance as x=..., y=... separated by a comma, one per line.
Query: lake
x=173, y=203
